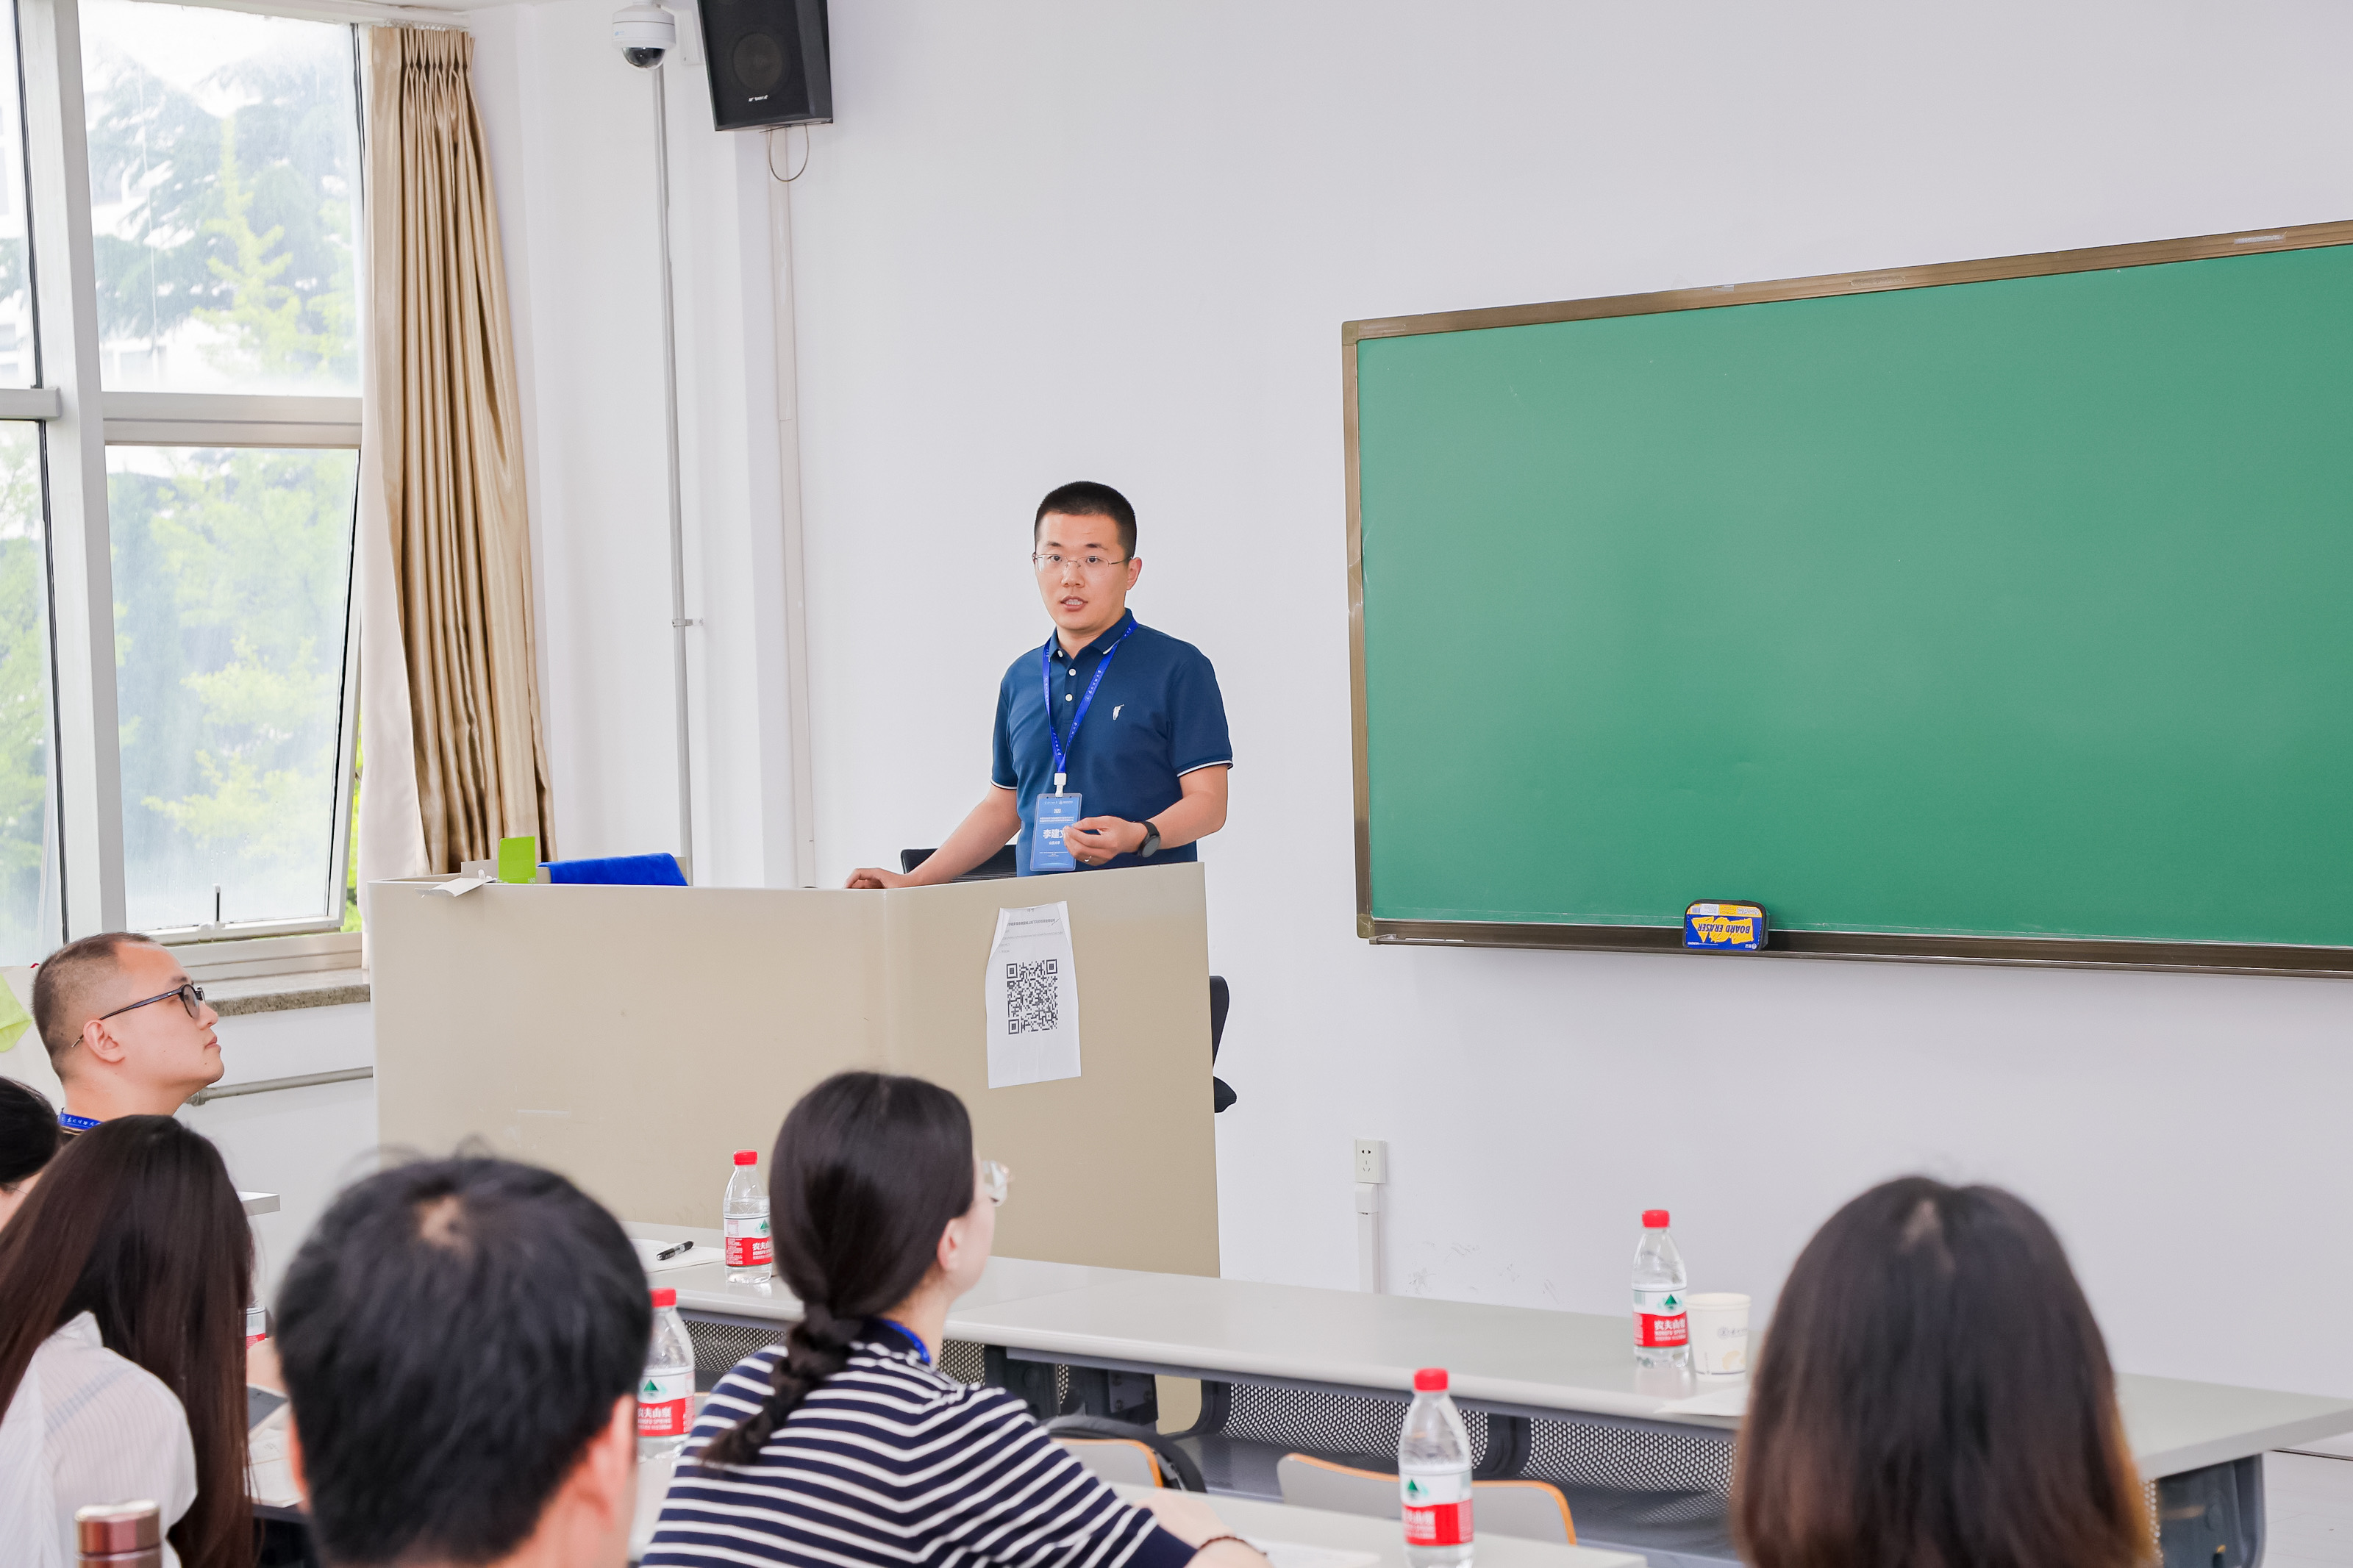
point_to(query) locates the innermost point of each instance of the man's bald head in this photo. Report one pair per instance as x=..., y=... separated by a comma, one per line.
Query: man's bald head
x=70, y=985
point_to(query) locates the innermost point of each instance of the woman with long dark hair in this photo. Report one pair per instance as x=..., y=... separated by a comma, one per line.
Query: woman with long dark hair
x=1935, y=1393
x=845, y=1443
x=28, y=1140
x=126, y=1276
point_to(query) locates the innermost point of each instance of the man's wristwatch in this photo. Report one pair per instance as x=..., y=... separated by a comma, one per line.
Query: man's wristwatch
x=1151, y=844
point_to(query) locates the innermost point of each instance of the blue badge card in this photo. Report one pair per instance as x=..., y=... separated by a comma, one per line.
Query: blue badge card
x=1725, y=928
x=1047, y=851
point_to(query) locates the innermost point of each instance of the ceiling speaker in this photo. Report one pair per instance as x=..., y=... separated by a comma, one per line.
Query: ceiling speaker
x=768, y=62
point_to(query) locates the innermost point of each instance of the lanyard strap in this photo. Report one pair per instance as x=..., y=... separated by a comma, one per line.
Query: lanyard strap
x=72, y=1123
x=1046, y=681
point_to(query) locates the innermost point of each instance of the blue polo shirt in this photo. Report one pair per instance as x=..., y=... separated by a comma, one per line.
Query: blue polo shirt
x=1156, y=717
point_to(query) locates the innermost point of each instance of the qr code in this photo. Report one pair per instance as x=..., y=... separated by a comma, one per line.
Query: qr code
x=1033, y=997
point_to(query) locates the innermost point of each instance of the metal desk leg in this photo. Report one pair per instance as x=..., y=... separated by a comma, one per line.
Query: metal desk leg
x=2212, y=1517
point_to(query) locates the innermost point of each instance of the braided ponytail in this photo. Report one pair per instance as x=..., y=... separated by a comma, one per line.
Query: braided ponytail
x=869, y=1170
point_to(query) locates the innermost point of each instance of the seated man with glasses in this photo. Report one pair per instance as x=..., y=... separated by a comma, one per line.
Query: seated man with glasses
x=1128, y=720
x=126, y=1031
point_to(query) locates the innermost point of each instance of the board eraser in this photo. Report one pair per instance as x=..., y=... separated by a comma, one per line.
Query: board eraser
x=1720, y=927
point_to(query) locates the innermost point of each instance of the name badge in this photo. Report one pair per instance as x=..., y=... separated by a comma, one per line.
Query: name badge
x=1047, y=851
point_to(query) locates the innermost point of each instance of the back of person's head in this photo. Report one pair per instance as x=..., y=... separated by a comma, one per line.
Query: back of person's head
x=1935, y=1393
x=1085, y=498
x=454, y=1335
x=137, y=1222
x=868, y=1171
x=68, y=984
x=29, y=1140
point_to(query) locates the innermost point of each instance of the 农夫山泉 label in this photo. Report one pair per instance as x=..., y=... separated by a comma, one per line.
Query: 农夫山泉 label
x=1436, y=1508
x=747, y=1244
x=1660, y=1319
x=662, y=1401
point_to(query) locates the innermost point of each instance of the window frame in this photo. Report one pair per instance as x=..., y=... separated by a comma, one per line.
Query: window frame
x=79, y=420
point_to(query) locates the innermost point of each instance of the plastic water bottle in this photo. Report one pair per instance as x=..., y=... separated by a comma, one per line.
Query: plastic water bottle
x=1434, y=1476
x=743, y=1219
x=1661, y=1328
x=666, y=1394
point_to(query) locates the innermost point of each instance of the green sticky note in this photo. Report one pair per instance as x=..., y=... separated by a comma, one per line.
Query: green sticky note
x=14, y=1019
x=518, y=860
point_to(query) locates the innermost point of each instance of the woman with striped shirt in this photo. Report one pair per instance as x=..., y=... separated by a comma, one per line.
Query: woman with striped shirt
x=846, y=1444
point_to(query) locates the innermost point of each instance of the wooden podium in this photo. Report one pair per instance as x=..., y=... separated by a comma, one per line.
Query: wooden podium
x=633, y=1037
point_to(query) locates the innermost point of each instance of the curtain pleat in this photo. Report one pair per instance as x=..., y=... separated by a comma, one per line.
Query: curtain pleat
x=443, y=422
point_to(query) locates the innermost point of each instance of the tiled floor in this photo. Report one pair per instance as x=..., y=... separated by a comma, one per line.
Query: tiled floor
x=2308, y=1510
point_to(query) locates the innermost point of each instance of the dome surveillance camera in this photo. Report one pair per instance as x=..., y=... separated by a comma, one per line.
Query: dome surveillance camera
x=644, y=34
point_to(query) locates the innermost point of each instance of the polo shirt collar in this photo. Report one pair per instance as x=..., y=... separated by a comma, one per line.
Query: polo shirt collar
x=1102, y=644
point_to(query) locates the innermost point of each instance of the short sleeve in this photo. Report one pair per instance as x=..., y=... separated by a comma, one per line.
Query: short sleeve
x=1196, y=717
x=1000, y=765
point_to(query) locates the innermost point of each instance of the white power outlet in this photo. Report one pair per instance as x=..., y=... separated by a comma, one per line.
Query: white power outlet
x=1372, y=1160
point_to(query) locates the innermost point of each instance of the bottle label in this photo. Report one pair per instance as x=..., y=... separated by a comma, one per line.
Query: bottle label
x=1436, y=1508
x=747, y=1241
x=663, y=1399
x=1660, y=1321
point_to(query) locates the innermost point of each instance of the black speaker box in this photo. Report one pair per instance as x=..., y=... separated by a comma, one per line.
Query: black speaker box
x=768, y=62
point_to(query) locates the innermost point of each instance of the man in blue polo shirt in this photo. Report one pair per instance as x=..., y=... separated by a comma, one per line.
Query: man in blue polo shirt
x=1127, y=718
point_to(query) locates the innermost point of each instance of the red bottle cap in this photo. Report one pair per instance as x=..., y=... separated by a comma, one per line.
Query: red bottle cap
x=747, y=1156
x=665, y=1297
x=1652, y=1219
x=1430, y=1380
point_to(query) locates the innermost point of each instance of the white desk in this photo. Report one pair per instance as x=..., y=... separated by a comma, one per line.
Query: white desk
x=1512, y=1359
x=2200, y=1441
x=1275, y=1523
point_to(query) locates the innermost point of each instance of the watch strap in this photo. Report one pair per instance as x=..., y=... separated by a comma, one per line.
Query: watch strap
x=1151, y=844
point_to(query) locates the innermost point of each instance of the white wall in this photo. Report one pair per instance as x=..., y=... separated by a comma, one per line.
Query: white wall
x=1049, y=240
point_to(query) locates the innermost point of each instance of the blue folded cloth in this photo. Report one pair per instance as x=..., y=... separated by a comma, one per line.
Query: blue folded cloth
x=629, y=870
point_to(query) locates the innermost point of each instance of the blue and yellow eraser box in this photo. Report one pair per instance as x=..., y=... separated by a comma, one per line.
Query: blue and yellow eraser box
x=1719, y=927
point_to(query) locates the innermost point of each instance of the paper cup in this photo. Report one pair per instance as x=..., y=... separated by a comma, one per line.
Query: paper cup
x=1719, y=1333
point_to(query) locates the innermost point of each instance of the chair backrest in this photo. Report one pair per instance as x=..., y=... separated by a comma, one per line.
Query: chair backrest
x=1525, y=1511
x=997, y=866
x=1337, y=1488
x=1122, y=1462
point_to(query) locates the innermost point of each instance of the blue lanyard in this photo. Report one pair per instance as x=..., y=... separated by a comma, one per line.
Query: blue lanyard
x=1046, y=677
x=72, y=1123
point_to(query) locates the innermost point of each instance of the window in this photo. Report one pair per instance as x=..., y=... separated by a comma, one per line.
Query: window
x=223, y=245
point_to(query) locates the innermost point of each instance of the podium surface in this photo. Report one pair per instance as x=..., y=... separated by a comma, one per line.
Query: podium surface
x=634, y=1038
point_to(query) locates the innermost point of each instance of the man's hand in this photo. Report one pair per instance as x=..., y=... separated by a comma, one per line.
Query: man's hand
x=875, y=877
x=1095, y=839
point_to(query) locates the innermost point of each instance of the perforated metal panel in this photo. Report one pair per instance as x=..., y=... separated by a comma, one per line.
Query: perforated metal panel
x=964, y=1361
x=718, y=1346
x=1631, y=1458
x=1362, y=1424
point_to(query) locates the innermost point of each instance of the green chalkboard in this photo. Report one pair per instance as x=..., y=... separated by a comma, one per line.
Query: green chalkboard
x=1999, y=610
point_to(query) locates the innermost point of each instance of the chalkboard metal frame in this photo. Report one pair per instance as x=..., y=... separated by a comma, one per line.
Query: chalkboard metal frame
x=2240, y=958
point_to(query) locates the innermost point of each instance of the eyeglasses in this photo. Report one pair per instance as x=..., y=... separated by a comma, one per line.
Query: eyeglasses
x=994, y=1180
x=1091, y=565
x=190, y=994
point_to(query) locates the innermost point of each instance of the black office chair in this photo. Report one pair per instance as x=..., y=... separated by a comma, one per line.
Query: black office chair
x=1220, y=998
x=997, y=865
x=1176, y=1464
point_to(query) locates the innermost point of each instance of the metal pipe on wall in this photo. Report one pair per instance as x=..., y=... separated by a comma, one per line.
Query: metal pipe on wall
x=678, y=621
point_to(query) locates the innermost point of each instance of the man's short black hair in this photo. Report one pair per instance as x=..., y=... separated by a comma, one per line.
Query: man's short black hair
x=66, y=982
x=452, y=1335
x=1084, y=498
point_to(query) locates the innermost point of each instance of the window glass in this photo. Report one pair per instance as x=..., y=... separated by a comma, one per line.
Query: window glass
x=28, y=821
x=17, y=365
x=224, y=171
x=232, y=591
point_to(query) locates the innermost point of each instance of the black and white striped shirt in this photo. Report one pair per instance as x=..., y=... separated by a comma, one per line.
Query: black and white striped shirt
x=890, y=1464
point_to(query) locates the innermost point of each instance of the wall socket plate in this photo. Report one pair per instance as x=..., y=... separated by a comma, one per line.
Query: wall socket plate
x=1372, y=1160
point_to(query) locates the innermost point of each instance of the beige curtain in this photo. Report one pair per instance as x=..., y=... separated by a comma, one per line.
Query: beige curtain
x=454, y=756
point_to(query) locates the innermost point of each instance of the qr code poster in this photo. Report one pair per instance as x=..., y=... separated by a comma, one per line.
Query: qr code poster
x=1032, y=995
